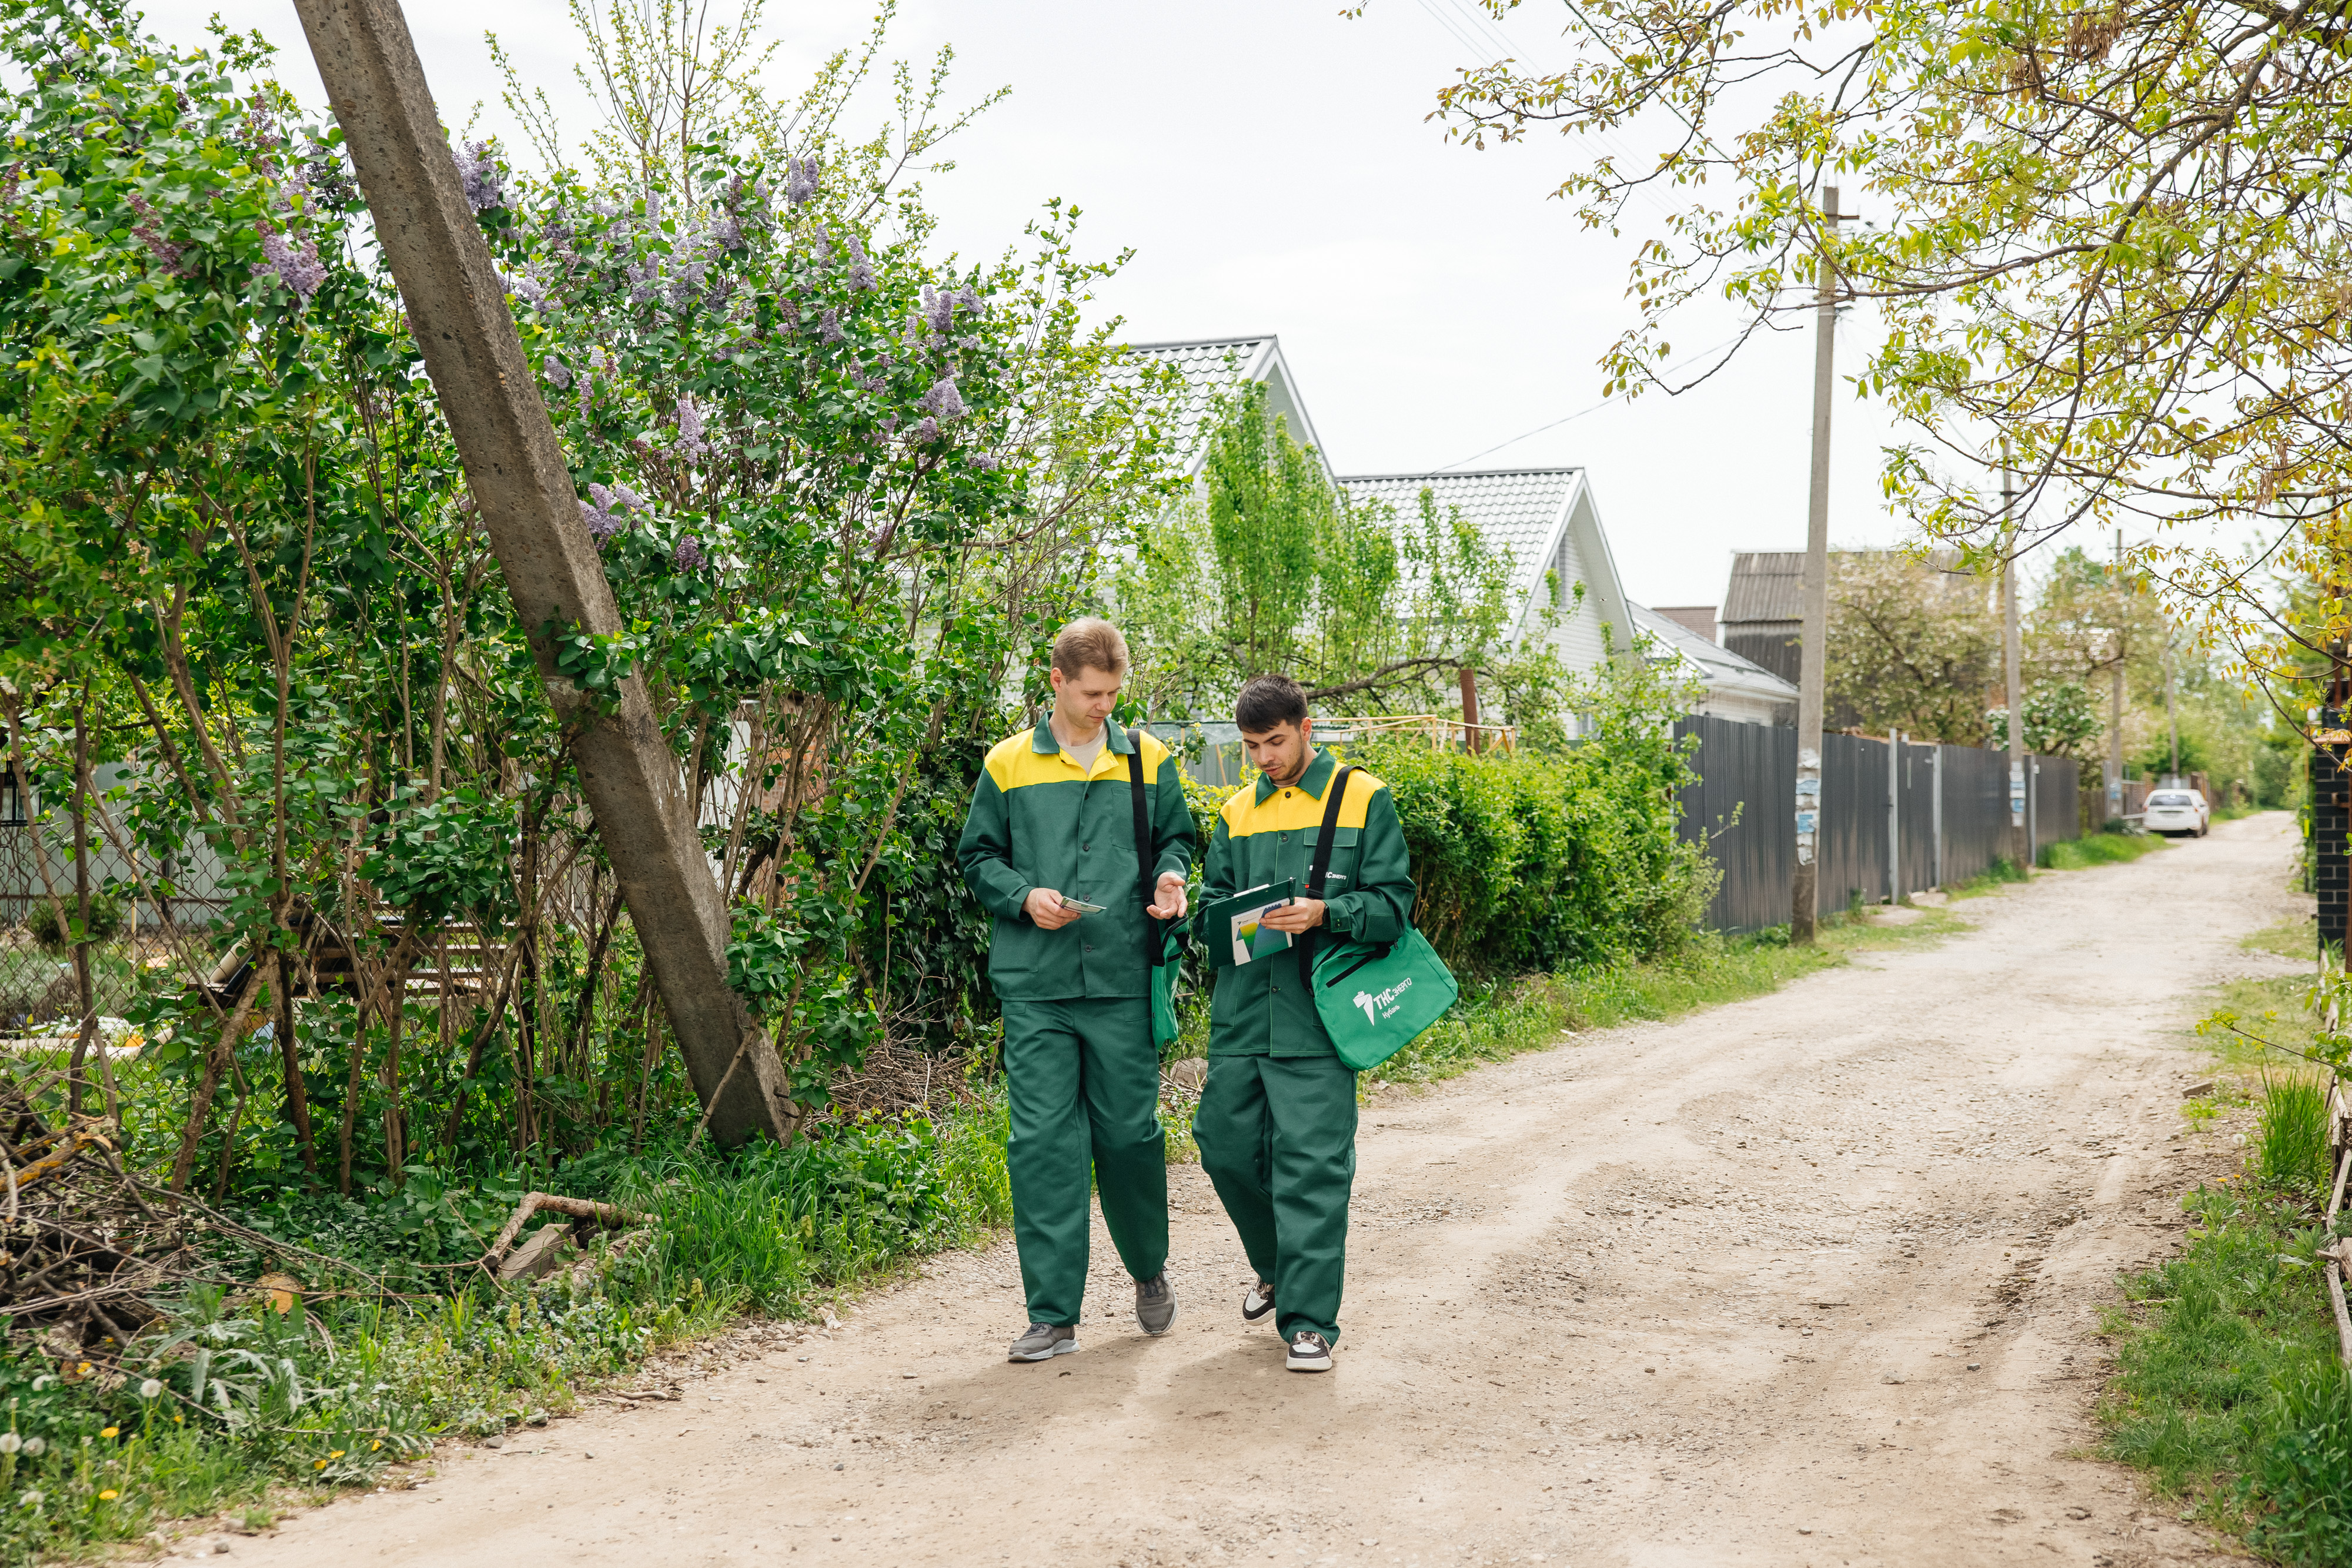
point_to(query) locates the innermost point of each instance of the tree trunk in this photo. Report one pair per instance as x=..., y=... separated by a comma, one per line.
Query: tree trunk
x=216, y=1062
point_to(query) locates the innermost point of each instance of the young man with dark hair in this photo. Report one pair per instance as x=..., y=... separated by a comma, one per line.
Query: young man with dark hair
x=1276, y=1124
x=1053, y=828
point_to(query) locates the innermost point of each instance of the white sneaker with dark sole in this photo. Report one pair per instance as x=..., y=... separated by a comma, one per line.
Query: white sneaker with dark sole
x=1258, y=1302
x=1309, y=1351
x=1044, y=1342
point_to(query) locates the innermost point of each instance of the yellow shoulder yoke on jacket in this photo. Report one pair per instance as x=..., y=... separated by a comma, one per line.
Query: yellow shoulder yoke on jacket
x=1015, y=762
x=1294, y=811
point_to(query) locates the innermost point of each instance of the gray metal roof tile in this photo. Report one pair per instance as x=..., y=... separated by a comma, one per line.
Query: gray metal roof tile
x=1516, y=509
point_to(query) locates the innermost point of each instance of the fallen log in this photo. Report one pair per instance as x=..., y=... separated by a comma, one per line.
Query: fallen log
x=611, y=1216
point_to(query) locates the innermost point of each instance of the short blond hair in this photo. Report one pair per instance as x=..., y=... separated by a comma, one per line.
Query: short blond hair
x=1090, y=643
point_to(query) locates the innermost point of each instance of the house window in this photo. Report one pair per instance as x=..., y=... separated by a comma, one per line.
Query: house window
x=12, y=801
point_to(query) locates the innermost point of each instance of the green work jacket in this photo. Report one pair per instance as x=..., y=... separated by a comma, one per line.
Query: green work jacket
x=1265, y=835
x=1038, y=819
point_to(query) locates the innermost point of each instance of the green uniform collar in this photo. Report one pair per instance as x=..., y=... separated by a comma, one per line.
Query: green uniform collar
x=1042, y=741
x=1317, y=775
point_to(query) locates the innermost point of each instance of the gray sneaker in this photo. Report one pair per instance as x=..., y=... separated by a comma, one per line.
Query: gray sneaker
x=1258, y=1302
x=1155, y=1303
x=1044, y=1342
x=1310, y=1352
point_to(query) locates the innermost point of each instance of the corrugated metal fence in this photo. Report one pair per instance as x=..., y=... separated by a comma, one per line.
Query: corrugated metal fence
x=1892, y=822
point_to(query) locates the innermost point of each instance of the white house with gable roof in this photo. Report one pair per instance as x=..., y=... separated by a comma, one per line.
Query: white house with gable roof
x=1544, y=519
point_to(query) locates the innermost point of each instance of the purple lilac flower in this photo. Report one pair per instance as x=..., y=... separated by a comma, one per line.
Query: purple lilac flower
x=630, y=499
x=523, y=287
x=299, y=270
x=889, y=424
x=478, y=172
x=828, y=327
x=644, y=281
x=148, y=235
x=924, y=431
x=939, y=310
x=558, y=373
x=689, y=555
x=728, y=232
x=820, y=245
x=988, y=462
x=800, y=187
x=861, y=271
x=587, y=392
x=690, y=442
x=943, y=400
x=602, y=524
x=686, y=287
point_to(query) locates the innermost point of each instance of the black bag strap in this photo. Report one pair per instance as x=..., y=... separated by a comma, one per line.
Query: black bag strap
x=1152, y=941
x=1319, y=867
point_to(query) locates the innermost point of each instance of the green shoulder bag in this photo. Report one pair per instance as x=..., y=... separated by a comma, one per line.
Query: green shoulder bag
x=1374, y=997
x=1162, y=955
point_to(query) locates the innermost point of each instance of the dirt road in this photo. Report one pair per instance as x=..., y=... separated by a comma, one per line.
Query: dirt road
x=1809, y=1279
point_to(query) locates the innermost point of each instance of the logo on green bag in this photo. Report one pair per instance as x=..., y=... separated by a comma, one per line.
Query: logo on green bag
x=1384, y=1004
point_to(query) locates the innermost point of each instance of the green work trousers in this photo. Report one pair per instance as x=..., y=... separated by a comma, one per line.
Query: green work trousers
x=1084, y=1082
x=1277, y=1137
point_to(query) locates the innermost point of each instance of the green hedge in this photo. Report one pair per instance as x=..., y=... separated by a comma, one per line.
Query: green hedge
x=1532, y=861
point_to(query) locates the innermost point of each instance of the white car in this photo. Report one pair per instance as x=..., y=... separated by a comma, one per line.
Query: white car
x=2176, y=811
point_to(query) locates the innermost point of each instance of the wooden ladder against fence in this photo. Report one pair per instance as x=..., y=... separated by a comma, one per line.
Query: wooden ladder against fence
x=324, y=962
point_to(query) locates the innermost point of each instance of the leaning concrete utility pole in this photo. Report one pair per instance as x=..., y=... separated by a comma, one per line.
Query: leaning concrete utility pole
x=2021, y=852
x=1813, y=644
x=516, y=470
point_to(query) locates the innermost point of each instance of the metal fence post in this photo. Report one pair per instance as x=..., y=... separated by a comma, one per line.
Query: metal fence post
x=1894, y=813
x=1936, y=814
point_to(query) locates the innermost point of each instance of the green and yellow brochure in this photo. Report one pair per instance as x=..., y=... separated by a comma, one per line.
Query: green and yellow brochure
x=1232, y=929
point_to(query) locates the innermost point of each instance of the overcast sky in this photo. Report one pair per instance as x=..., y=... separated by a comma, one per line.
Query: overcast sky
x=1273, y=168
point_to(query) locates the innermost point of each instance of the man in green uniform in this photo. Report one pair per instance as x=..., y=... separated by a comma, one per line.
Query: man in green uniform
x=1052, y=827
x=1277, y=1119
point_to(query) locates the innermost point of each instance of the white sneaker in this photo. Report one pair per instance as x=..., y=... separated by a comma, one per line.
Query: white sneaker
x=1258, y=1302
x=1310, y=1352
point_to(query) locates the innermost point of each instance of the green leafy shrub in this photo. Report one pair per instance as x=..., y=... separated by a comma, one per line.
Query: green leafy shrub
x=107, y=913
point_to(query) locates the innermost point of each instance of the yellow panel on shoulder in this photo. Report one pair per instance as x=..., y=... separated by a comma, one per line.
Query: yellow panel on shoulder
x=1291, y=812
x=1015, y=762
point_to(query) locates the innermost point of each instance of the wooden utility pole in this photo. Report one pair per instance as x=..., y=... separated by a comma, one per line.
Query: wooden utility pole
x=2115, y=698
x=2171, y=715
x=1472, y=738
x=1813, y=639
x=516, y=470
x=2021, y=852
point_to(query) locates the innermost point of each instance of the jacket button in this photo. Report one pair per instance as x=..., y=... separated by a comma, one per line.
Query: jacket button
x=1090, y=947
x=1082, y=848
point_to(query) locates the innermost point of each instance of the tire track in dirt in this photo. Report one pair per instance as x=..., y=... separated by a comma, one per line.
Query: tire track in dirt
x=1806, y=1280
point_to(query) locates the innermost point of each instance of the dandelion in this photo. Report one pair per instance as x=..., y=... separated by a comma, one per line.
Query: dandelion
x=689, y=429
x=800, y=186
x=33, y=1499
x=374, y=1446
x=10, y=1442
x=318, y=1464
x=688, y=556
x=109, y=1495
x=334, y=1453
x=478, y=172
x=36, y=1447
x=110, y=1431
x=150, y=1389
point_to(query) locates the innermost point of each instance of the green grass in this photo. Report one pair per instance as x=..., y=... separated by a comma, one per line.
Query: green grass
x=359, y=1375
x=2100, y=848
x=2228, y=1389
x=2297, y=938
